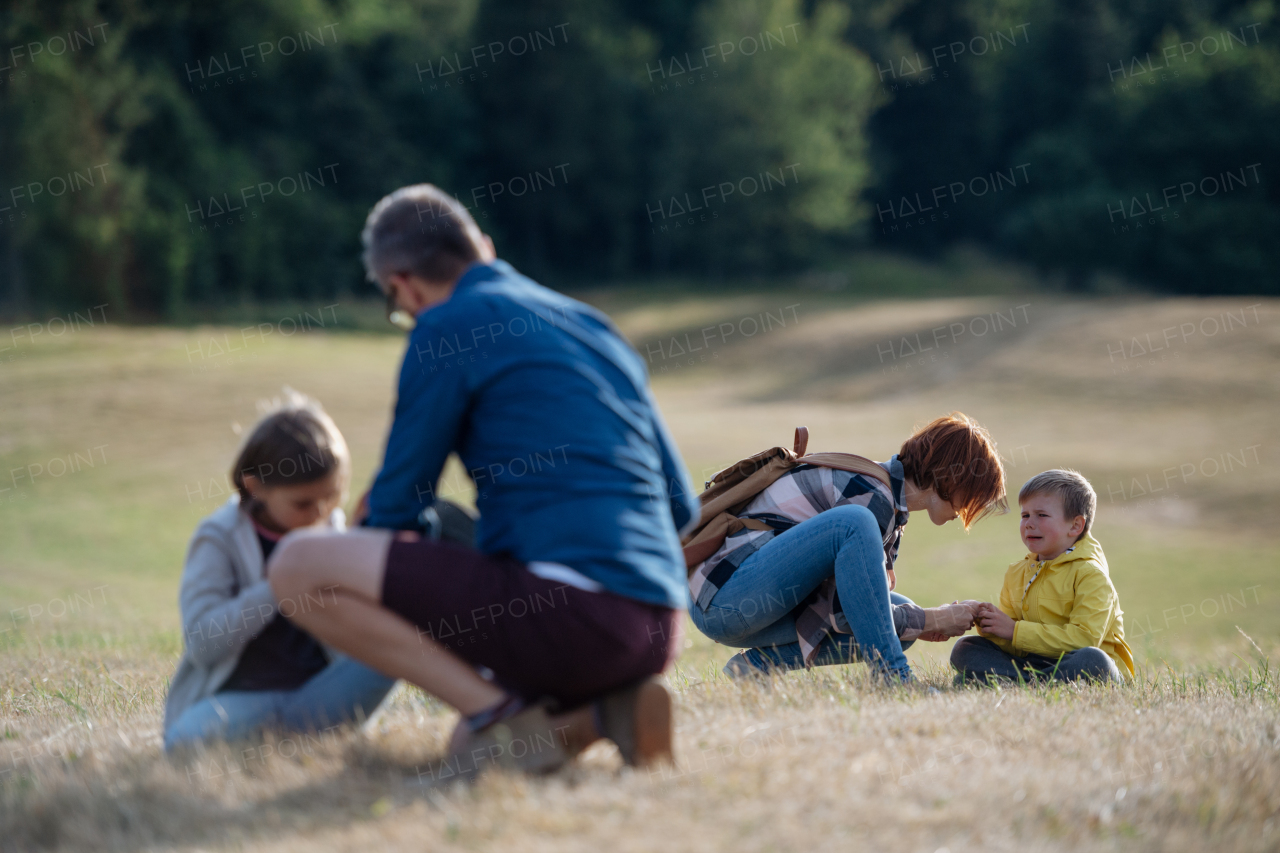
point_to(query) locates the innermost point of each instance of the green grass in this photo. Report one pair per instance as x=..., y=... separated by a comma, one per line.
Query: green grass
x=104, y=545
x=160, y=406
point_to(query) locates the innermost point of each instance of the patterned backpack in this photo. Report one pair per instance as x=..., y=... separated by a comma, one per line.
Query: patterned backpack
x=731, y=490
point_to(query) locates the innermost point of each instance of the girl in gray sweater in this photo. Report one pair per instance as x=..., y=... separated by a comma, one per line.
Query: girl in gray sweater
x=245, y=667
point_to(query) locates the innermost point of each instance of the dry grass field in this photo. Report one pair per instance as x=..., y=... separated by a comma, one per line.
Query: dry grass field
x=114, y=441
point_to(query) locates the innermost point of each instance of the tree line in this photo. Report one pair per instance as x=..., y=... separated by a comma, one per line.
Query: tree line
x=161, y=156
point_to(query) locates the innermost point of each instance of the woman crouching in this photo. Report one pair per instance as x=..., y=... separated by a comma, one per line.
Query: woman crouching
x=816, y=588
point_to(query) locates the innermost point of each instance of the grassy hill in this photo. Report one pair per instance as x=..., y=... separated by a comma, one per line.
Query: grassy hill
x=114, y=441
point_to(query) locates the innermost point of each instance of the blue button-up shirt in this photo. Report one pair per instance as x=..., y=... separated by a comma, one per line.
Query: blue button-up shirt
x=550, y=411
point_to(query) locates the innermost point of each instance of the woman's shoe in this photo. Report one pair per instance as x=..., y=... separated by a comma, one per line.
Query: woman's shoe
x=739, y=667
x=751, y=664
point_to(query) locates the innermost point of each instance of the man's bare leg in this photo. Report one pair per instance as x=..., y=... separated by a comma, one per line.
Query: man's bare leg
x=330, y=585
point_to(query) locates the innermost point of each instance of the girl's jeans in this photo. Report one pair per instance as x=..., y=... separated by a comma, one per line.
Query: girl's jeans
x=343, y=691
x=753, y=610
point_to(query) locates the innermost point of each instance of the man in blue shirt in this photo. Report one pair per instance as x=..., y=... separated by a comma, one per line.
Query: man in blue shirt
x=572, y=597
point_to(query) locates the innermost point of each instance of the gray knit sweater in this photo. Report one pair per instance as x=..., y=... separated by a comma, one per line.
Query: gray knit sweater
x=225, y=601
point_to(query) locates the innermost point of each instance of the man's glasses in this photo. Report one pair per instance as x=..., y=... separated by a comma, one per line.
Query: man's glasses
x=396, y=315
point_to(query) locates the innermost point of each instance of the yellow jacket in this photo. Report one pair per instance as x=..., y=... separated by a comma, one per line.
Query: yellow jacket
x=1069, y=605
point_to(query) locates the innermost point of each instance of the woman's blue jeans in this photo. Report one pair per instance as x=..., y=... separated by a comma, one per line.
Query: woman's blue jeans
x=344, y=691
x=753, y=610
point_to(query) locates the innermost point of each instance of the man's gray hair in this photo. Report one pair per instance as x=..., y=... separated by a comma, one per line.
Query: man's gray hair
x=1078, y=497
x=420, y=230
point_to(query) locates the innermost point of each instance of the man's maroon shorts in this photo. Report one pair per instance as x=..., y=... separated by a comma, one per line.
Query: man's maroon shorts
x=541, y=638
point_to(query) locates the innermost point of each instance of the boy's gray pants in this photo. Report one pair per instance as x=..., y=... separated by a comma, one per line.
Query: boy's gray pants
x=977, y=659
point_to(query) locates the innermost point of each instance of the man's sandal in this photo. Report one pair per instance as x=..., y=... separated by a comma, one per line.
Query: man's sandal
x=529, y=741
x=638, y=719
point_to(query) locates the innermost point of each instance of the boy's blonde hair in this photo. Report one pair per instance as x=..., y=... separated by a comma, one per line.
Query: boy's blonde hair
x=1078, y=497
x=296, y=442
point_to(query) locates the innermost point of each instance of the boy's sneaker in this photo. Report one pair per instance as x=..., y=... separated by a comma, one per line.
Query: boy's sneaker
x=638, y=719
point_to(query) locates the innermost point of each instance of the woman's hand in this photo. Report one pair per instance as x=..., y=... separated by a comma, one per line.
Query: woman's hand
x=950, y=620
x=934, y=637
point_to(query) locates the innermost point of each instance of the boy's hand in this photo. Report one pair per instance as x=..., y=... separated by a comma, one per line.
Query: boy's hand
x=993, y=621
x=981, y=607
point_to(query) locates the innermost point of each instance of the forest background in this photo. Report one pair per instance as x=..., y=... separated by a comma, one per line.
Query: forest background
x=162, y=157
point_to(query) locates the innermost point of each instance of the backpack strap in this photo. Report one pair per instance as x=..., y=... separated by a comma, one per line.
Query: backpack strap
x=840, y=461
x=849, y=462
x=712, y=535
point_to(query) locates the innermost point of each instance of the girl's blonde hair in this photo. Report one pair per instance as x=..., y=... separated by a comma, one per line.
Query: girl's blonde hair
x=295, y=442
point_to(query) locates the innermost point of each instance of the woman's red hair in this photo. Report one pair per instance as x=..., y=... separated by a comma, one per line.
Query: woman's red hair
x=956, y=457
